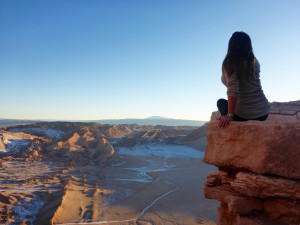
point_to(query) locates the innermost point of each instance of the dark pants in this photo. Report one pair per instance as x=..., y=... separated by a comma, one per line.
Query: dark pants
x=222, y=105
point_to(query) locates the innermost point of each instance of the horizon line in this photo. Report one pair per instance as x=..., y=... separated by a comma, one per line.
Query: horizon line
x=70, y=120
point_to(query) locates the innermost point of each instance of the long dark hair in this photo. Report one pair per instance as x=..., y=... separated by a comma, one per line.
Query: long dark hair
x=240, y=57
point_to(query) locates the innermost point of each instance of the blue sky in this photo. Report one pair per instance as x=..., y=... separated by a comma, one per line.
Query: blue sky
x=133, y=59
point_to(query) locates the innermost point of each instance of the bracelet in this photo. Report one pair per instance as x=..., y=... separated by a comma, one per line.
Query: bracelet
x=231, y=116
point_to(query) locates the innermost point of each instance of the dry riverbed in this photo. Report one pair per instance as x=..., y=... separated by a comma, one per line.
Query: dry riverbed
x=155, y=184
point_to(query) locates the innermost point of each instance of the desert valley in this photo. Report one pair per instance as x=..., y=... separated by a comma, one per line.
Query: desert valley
x=91, y=173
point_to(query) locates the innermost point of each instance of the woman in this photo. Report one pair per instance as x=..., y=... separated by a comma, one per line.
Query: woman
x=240, y=74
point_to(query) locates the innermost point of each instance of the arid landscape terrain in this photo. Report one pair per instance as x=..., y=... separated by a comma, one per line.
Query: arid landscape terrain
x=91, y=173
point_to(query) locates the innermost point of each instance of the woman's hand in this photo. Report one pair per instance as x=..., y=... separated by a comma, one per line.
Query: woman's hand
x=224, y=121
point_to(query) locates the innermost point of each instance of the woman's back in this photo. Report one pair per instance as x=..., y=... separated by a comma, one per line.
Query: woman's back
x=251, y=101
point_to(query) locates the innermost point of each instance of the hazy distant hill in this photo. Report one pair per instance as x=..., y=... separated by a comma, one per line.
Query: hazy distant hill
x=154, y=120
x=12, y=122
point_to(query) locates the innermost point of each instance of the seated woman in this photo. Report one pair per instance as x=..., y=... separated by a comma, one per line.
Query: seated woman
x=241, y=76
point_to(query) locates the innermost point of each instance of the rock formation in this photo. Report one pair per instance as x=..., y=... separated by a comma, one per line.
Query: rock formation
x=50, y=168
x=197, y=138
x=258, y=181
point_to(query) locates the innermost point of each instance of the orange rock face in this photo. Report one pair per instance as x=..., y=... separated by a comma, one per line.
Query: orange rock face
x=262, y=147
x=258, y=181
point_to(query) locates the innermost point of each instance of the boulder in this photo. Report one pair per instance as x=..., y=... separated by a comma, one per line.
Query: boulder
x=259, y=186
x=242, y=208
x=283, y=209
x=263, y=147
x=236, y=204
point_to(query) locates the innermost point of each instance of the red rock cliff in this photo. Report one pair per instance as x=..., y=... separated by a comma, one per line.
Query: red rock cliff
x=258, y=181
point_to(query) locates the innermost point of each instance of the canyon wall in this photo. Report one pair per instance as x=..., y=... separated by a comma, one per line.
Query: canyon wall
x=258, y=181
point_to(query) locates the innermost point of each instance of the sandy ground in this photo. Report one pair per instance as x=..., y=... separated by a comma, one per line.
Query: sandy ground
x=151, y=189
x=147, y=183
x=183, y=203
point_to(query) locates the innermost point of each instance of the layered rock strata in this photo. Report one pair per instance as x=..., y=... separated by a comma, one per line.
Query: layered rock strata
x=258, y=181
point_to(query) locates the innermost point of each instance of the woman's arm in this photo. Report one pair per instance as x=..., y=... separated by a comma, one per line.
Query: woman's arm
x=225, y=120
x=232, y=85
x=231, y=104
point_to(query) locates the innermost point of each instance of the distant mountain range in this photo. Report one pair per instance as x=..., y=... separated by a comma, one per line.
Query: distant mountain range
x=13, y=122
x=153, y=120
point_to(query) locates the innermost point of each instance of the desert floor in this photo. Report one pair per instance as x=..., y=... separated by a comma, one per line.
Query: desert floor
x=145, y=185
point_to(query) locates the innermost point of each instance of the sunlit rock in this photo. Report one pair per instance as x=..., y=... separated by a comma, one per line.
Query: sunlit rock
x=258, y=181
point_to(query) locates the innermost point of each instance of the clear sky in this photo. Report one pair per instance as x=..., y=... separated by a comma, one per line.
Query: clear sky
x=111, y=59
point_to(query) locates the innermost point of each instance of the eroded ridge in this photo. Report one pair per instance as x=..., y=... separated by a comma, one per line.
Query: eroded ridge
x=55, y=172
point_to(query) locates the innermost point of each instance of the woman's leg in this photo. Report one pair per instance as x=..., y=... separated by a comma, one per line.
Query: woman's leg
x=222, y=105
x=262, y=118
x=237, y=118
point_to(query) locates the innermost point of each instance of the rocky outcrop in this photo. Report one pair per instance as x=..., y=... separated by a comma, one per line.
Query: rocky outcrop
x=258, y=181
x=197, y=138
x=284, y=112
x=287, y=111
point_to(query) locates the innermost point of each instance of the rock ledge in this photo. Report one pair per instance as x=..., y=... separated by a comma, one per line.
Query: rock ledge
x=258, y=181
